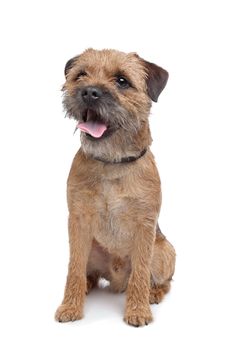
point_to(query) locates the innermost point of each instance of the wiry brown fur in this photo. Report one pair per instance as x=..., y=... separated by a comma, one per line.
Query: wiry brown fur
x=114, y=208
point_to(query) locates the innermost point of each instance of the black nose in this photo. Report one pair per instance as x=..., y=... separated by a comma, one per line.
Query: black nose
x=90, y=94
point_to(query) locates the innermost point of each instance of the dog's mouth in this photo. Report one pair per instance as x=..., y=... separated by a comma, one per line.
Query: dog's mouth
x=94, y=126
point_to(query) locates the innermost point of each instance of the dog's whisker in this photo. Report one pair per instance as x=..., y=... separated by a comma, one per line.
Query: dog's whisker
x=76, y=128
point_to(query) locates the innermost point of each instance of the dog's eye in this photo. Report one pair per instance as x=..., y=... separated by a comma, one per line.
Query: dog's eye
x=122, y=82
x=81, y=74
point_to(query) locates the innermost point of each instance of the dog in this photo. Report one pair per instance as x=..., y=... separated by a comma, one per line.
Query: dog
x=113, y=188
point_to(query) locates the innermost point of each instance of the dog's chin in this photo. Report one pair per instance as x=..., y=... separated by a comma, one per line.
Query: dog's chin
x=102, y=147
x=106, y=137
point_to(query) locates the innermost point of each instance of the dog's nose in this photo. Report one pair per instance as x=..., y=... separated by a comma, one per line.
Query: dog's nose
x=91, y=94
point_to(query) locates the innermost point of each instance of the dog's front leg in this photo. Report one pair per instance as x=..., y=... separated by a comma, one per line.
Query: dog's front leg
x=138, y=311
x=80, y=239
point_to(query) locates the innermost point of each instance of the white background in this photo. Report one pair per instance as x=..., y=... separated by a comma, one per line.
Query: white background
x=192, y=131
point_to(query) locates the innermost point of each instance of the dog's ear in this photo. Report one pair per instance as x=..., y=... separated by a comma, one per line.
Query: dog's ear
x=156, y=79
x=69, y=65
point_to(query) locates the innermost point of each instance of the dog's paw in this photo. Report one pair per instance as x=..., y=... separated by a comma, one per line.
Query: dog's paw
x=156, y=296
x=157, y=293
x=117, y=287
x=137, y=319
x=66, y=313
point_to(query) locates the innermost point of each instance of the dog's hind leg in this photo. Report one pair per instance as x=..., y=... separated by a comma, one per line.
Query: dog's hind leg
x=162, y=267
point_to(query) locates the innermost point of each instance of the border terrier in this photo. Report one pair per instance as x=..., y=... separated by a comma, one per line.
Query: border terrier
x=113, y=188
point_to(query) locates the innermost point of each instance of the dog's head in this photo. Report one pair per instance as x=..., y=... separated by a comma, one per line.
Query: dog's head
x=109, y=93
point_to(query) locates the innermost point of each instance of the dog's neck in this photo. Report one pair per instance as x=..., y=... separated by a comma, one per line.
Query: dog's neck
x=123, y=159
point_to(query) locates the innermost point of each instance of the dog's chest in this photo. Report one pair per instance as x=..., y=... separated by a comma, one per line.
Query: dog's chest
x=115, y=208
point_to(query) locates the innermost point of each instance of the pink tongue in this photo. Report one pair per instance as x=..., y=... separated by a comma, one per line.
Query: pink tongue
x=95, y=129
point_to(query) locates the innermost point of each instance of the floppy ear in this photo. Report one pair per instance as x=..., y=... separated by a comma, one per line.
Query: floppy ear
x=69, y=65
x=156, y=79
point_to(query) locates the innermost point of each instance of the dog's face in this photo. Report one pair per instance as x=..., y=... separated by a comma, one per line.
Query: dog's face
x=109, y=93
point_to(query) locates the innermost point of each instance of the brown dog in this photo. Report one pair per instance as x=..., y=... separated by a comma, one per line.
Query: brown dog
x=113, y=188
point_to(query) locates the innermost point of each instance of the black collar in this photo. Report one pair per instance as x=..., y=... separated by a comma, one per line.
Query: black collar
x=122, y=160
